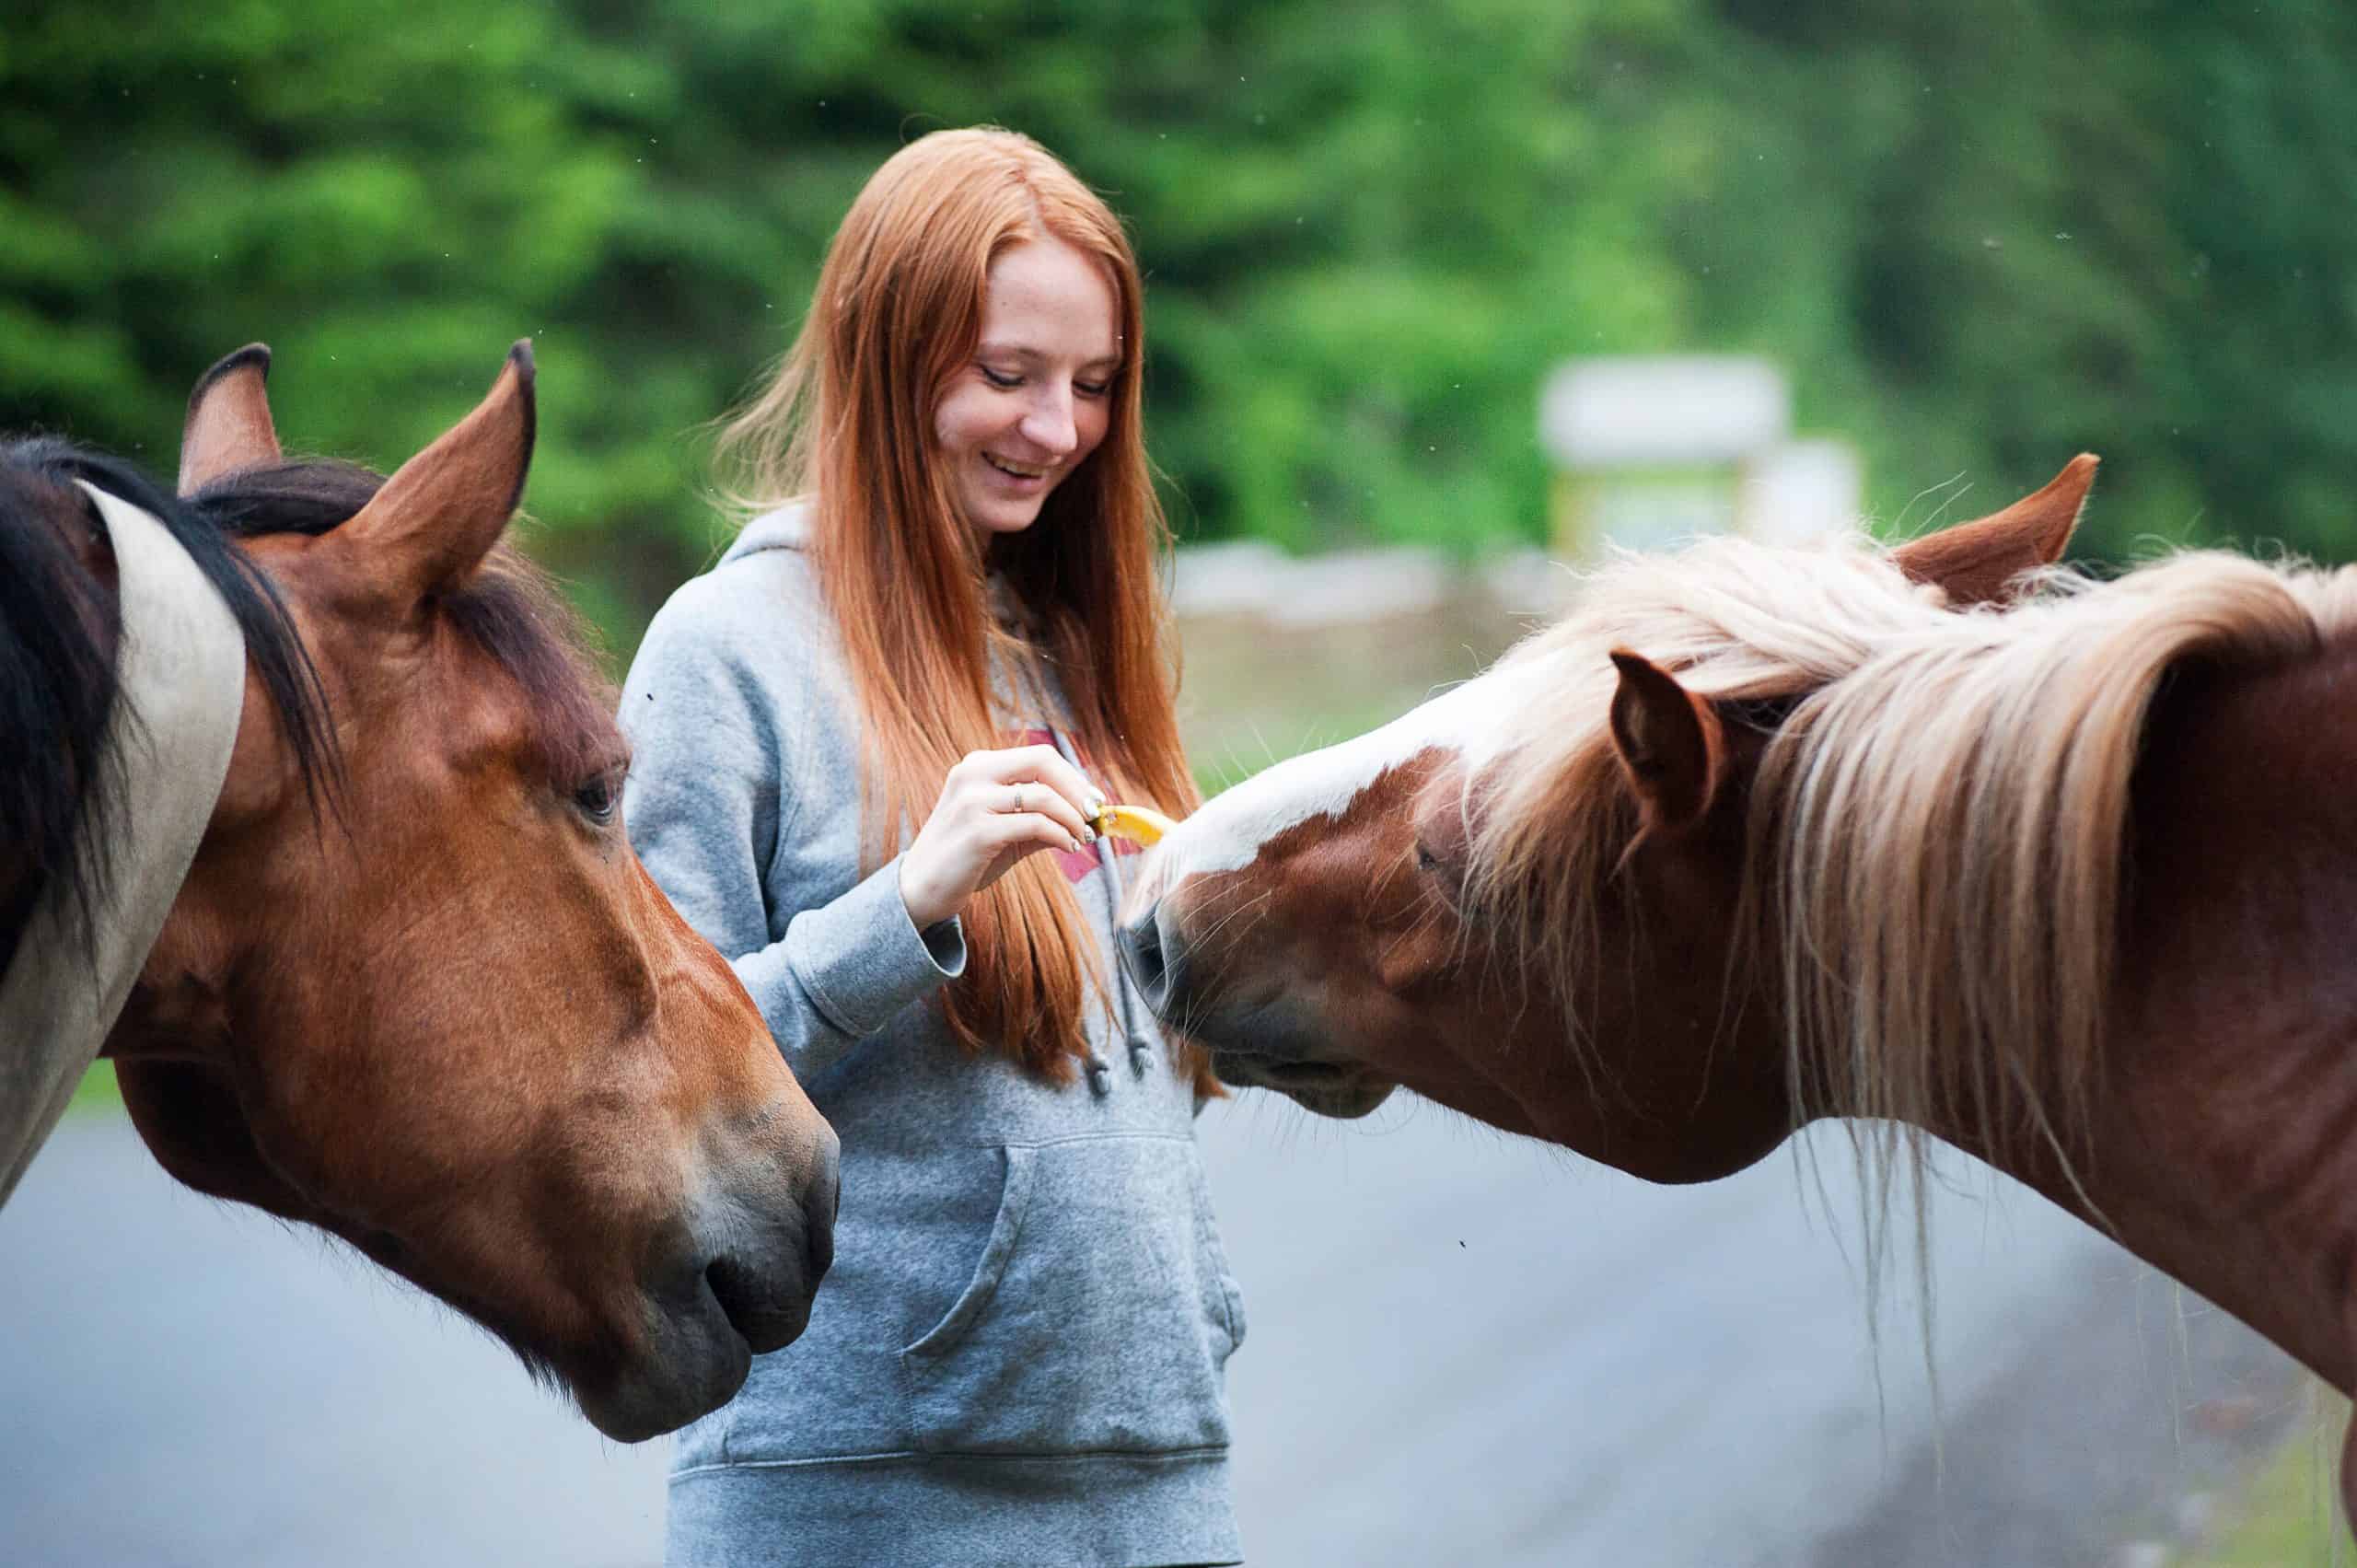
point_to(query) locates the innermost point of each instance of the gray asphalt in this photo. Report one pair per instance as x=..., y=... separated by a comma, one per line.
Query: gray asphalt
x=1463, y=1349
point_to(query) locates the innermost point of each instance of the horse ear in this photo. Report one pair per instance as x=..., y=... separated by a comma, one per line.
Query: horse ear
x=439, y=515
x=228, y=425
x=1670, y=743
x=1979, y=562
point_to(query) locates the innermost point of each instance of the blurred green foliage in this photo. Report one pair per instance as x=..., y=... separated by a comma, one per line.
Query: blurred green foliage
x=2288, y=1512
x=1982, y=237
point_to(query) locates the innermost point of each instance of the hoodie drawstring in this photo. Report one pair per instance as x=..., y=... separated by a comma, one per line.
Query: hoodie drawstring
x=1140, y=1047
x=1124, y=1019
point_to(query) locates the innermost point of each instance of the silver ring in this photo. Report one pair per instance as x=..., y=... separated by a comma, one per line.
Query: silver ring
x=1018, y=798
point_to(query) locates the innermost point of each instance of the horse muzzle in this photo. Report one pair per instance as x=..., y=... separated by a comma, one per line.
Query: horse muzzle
x=1263, y=1045
x=741, y=1283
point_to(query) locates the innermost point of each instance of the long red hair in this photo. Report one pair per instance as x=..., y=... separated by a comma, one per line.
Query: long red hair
x=847, y=423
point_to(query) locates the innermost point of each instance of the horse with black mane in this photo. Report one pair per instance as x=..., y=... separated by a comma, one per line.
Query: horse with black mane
x=309, y=821
x=1942, y=837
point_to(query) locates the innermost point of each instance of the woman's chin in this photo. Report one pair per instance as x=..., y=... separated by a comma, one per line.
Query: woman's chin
x=1003, y=519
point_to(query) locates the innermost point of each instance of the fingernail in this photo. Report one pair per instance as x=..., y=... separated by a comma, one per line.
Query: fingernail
x=1073, y=843
x=1096, y=803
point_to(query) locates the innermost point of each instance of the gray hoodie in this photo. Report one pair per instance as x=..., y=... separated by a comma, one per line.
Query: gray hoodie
x=1018, y=1357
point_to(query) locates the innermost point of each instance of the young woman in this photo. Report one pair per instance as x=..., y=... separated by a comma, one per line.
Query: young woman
x=868, y=746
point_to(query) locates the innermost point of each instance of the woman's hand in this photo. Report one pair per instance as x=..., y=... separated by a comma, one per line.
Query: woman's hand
x=995, y=807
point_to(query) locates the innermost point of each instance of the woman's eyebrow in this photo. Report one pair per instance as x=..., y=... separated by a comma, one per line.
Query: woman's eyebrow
x=1032, y=355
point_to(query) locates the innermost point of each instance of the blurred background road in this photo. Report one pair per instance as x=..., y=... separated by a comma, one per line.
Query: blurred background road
x=1462, y=1350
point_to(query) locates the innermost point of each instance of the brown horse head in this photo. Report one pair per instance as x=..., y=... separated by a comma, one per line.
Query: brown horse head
x=1757, y=836
x=1552, y=854
x=417, y=989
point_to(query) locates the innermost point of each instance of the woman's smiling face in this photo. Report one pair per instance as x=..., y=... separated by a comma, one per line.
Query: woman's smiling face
x=1034, y=401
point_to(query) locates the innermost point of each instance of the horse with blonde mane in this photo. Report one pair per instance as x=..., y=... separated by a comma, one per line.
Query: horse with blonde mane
x=1942, y=837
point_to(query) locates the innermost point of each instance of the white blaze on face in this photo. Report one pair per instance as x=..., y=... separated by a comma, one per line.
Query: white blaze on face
x=1472, y=720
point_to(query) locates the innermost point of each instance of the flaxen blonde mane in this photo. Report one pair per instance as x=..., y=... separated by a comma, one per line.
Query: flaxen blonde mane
x=1936, y=830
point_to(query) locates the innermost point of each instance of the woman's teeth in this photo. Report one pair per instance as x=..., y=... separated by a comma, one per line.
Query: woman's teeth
x=1015, y=471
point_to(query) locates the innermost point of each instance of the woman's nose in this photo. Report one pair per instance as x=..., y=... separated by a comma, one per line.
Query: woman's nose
x=1050, y=423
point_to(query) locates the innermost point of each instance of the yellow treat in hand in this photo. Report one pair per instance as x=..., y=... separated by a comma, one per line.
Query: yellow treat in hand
x=1137, y=822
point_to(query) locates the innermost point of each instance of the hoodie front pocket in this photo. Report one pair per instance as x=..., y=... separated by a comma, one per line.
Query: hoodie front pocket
x=1099, y=1316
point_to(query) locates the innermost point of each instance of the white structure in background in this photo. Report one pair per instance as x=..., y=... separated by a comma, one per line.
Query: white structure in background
x=1799, y=491
x=1251, y=577
x=1649, y=451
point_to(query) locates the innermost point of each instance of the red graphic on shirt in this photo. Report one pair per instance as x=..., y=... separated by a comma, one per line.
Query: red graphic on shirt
x=1077, y=864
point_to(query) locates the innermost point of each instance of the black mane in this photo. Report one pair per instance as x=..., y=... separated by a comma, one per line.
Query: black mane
x=57, y=681
x=57, y=675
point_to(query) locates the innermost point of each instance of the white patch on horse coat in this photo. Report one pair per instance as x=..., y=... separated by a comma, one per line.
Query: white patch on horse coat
x=182, y=670
x=1472, y=720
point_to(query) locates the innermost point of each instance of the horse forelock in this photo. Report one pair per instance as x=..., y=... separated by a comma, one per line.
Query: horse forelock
x=508, y=608
x=1936, y=832
x=513, y=611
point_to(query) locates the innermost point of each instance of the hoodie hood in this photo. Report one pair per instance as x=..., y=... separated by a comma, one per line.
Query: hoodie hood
x=787, y=527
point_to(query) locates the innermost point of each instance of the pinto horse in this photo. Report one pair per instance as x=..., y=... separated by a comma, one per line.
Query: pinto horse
x=1942, y=837
x=413, y=988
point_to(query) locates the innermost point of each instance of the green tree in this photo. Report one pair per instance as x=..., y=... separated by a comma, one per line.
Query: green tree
x=1982, y=239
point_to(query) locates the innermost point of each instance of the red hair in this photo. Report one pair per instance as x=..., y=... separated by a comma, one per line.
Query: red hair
x=847, y=422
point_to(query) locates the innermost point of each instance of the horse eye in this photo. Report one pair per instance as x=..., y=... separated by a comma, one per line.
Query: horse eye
x=598, y=798
x=1425, y=859
x=1766, y=714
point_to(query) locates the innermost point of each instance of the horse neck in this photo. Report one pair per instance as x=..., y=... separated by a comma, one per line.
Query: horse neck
x=2221, y=1148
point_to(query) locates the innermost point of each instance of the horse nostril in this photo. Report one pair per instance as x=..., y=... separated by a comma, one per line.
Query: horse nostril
x=818, y=1233
x=1146, y=959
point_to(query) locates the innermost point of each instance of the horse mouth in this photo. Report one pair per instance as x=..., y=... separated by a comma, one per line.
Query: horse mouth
x=1342, y=1090
x=700, y=1323
x=699, y=1355
x=764, y=1325
x=1305, y=1074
